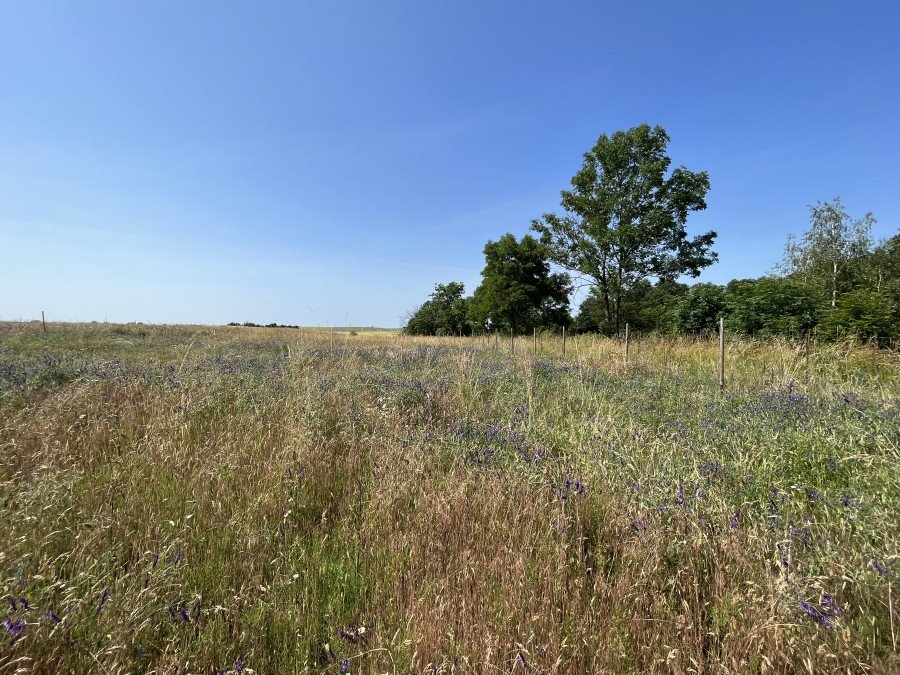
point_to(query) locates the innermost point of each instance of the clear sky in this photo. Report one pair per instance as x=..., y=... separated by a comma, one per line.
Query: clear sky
x=326, y=163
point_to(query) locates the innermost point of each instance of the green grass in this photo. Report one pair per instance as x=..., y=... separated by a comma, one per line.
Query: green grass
x=200, y=500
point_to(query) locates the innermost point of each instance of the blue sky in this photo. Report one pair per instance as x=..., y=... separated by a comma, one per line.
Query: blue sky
x=327, y=163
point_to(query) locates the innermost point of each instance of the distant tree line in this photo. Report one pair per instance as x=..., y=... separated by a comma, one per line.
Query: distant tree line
x=623, y=233
x=250, y=324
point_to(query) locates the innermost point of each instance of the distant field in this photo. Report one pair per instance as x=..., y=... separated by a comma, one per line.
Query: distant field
x=252, y=500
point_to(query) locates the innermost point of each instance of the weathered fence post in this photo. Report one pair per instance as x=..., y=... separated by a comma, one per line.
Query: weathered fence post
x=627, y=341
x=721, y=353
x=806, y=357
x=43, y=321
x=564, y=341
x=512, y=342
x=534, y=348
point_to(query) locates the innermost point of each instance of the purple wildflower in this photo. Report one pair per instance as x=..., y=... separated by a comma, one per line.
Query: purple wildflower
x=345, y=666
x=23, y=601
x=14, y=627
x=51, y=617
x=638, y=525
x=12, y=603
x=816, y=614
x=239, y=666
x=521, y=658
x=103, y=598
x=830, y=606
x=735, y=522
x=880, y=568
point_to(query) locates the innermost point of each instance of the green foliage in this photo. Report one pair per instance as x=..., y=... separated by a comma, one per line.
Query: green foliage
x=625, y=218
x=825, y=256
x=700, y=308
x=518, y=291
x=866, y=314
x=650, y=308
x=445, y=313
x=771, y=306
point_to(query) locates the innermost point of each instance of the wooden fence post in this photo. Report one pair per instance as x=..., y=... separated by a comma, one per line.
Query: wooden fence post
x=806, y=357
x=512, y=342
x=43, y=321
x=564, y=341
x=627, y=341
x=721, y=353
x=534, y=348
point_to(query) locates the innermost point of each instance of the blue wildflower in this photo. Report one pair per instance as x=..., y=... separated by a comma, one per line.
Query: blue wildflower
x=103, y=598
x=880, y=568
x=15, y=627
x=816, y=614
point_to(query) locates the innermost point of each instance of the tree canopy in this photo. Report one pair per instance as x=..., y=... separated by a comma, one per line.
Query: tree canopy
x=517, y=290
x=823, y=257
x=444, y=313
x=625, y=217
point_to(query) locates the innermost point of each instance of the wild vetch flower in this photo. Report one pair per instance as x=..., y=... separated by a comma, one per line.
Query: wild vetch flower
x=812, y=494
x=521, y=659
x=735, y=522
x=831, y=464
x=880, y=568
x=816, y=614
x=345, y=666
x=352, y=634
x=184, y=616
x=103, y=599
x=638, y=525
x=239, y=666
x=680, y=498
x=23, y=601
x=12, y=603
x=848, y=502
x=51, y=617
x=830, y=606
x=15, y=627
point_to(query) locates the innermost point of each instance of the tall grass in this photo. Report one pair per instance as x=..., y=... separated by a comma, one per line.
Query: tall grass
x=224, y=500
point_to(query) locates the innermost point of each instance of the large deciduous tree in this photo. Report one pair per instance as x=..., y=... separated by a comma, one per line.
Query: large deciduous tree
x=518, y=290
x=626, y=217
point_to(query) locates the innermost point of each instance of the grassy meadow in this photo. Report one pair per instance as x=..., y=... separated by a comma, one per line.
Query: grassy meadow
x=241, y=500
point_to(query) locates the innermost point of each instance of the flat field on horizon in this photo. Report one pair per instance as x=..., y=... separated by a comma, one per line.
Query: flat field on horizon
x=242, y=500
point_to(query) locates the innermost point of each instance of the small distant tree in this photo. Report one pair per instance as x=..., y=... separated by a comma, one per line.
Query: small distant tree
x=626, y=218
x=823, y=256
x=518, y=290
x=444, y=313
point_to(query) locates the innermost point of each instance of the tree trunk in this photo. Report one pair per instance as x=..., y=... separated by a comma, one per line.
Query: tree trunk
x=834, y=285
